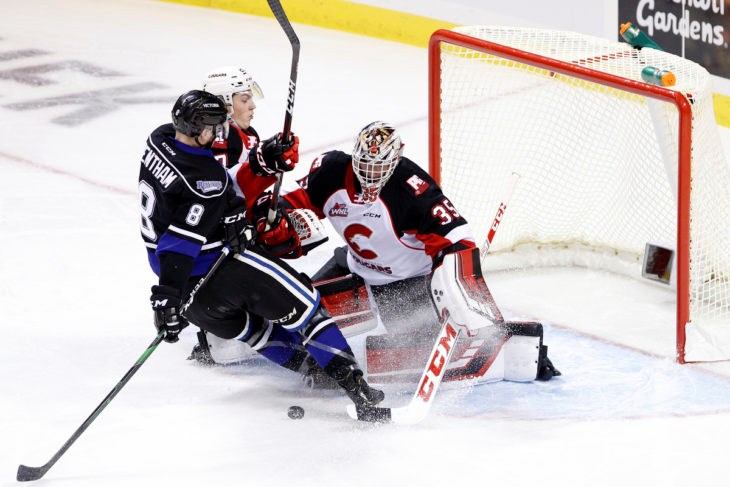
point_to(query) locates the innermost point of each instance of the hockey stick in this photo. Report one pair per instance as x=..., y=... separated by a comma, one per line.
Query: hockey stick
x=224, y=253
x=34, y=473
x=417, y=409
x=498, y=217
x=26, y=473
x=281, y=17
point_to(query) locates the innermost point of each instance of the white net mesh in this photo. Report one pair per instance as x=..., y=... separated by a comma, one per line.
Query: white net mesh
x=598, y=164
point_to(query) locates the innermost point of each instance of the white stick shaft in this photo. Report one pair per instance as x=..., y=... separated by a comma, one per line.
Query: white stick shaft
x=500, y=213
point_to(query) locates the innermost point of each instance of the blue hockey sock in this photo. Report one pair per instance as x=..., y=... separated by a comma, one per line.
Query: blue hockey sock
x=327, y=344
x=284, y=348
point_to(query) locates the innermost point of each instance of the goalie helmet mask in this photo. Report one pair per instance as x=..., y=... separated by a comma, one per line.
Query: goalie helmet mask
x=378, y=149
x=196, y=110
x=226, y=81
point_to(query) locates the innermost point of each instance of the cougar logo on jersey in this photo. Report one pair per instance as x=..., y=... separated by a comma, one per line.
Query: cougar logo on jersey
x=340, y=209
x=208, y=186
x=357, y=237
x=418, y=185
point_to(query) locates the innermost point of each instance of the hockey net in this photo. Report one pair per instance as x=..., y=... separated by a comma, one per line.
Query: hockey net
x=608, y=163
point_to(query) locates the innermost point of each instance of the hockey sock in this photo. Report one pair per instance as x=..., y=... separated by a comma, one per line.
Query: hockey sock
x=325, y=343
x=284, y=348
x=328, y=345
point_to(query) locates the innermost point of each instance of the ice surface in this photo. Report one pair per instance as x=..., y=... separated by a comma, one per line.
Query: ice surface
x=75, y=285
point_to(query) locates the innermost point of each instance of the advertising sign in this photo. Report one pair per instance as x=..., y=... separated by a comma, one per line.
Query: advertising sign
x=698, y=30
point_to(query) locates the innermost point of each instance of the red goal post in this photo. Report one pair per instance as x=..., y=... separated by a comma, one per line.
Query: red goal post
x=571, y=114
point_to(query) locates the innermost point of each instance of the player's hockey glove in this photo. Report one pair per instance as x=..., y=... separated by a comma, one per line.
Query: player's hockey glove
x=166, y=302
x=239, y=232
x=276, y=155
x=279, y=237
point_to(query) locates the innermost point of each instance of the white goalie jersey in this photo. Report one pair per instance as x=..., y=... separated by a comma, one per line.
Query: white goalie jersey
x=392, y=238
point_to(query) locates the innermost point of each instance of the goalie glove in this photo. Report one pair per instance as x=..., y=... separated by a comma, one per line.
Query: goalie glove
x=276, y=155
x=309, y=228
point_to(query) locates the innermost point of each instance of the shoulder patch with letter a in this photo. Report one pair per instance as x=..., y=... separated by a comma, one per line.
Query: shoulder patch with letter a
x=418, y=184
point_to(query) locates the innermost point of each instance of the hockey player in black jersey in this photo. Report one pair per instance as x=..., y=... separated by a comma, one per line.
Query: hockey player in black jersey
x=189, y=212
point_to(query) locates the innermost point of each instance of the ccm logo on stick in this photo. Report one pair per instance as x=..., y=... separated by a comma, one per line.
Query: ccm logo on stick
x=438, y=362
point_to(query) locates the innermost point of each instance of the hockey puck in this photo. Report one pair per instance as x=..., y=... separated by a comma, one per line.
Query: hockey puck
x=296, y=412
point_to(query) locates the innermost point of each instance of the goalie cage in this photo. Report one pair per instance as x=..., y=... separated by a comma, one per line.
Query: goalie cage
x=608, y=162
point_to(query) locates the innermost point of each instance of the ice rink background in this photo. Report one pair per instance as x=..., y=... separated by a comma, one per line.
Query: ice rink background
x=87, y=83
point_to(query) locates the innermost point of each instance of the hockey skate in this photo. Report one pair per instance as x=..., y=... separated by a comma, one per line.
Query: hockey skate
x=201, y=351
x=357, y=388
x=314, y=377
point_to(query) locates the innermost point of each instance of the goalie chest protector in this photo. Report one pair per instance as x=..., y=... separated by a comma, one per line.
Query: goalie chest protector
x=394, y=237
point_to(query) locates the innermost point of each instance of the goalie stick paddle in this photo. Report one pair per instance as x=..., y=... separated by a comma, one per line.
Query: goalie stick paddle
x=417, y=409
x=34, y=473
x=283, y=20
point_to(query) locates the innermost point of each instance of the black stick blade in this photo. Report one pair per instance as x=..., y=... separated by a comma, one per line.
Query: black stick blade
x=30, y=473
x=373, y=414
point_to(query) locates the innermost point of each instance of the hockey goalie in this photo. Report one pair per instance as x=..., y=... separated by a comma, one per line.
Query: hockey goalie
x=410, y=261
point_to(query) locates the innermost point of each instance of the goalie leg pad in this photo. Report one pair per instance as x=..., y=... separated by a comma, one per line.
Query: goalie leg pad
x=510, y=351
x=346, y=298
x=400, y=357
x=458, y=288
x=522, y=350
x=520, y=358
x=405, y=306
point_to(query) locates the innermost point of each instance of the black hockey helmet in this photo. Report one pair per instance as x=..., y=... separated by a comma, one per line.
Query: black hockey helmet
x=196, y=109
